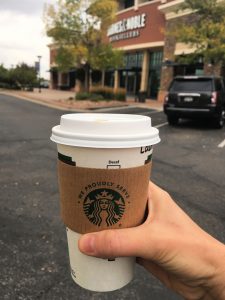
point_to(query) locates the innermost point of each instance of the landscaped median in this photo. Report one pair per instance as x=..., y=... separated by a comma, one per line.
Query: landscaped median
x=65, y=99
x=98, y=93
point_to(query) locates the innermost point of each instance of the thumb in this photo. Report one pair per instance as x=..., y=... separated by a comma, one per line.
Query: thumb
x=115, y=243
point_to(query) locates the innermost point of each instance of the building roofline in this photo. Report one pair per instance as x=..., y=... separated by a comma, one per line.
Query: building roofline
x=143, y=46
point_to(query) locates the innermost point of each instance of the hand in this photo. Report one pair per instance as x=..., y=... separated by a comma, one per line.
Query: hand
x=170, y=246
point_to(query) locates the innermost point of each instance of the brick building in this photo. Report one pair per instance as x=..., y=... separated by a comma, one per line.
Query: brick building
x=149, y=54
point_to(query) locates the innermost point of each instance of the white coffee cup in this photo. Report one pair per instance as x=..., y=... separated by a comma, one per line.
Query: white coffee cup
x=103, y=141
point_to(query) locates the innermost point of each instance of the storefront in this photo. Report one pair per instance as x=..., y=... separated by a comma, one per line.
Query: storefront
x=150, y=55
x=138, y=31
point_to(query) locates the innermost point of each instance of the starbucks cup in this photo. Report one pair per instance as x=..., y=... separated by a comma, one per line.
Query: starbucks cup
x=104, y=163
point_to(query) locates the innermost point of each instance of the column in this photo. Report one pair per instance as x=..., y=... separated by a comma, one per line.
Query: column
x=167, y=70
x=103, y=78
x=145, y=71
x=90, y=79
x=51, y=84
x=59, y=84
x=116, y=80
x=136, y=4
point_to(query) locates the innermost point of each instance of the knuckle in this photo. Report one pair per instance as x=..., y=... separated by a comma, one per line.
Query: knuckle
x=110, y=244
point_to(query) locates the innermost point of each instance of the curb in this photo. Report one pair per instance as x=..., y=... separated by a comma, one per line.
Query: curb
x=43, y=103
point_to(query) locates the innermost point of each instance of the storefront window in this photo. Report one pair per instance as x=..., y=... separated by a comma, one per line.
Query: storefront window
x=128, y=3
x=133, y=60
x=125, y=4
x=122, y=76
x=182, y=68
x=154, y=74
x=156, y=59
x=109, y=78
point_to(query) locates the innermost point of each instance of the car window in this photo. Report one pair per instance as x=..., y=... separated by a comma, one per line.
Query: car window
x=191, y=85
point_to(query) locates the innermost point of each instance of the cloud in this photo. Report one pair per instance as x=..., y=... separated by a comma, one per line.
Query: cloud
x=28, y=7
x=22, y=40
x=22, y=33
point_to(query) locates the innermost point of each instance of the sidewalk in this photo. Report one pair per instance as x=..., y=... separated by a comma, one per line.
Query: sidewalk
x=64, y=100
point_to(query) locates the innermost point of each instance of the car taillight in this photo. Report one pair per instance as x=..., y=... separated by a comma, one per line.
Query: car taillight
x=214, y=97
x=166, y=99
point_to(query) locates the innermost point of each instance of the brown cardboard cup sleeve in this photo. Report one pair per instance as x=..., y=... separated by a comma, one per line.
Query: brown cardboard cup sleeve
x=97, y=199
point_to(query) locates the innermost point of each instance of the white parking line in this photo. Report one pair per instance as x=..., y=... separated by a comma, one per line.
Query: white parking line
x=161, y=125
x=156, y=111
x=222, y=144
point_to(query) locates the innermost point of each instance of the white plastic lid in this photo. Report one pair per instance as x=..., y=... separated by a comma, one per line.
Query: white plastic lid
x=105, y=131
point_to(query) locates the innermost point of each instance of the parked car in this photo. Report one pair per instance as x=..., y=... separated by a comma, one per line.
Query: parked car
x=44, y=84
x=196, y=97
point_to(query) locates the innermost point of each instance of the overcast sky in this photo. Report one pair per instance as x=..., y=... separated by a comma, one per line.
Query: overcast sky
x=22, y=33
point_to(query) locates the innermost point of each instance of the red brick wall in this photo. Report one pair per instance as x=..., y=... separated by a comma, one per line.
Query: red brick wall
x=154, y=25
x=53, y=53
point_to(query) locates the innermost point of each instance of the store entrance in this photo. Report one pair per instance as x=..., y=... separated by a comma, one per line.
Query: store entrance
x=131, y=81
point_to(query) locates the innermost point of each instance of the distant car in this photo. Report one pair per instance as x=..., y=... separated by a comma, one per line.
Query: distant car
x=196, y=97
x=44, y=84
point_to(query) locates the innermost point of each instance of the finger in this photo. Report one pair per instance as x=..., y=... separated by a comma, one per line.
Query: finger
x=116, y=243
x=158, y=201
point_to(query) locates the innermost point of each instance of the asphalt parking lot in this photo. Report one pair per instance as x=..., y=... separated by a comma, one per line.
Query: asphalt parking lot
x=189, y=163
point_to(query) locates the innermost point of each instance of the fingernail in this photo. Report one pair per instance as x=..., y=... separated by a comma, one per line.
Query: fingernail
x=87, y=244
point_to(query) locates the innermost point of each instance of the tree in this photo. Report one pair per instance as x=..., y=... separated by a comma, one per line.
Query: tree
x=3, y=75
x=23, y=75
x=80, y=34
x=207, y=33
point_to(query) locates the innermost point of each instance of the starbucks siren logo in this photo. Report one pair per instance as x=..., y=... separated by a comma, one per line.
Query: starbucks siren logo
x=104, y=205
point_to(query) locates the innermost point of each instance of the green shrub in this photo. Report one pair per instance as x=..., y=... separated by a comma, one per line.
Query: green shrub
x=89, y=96
x=120, y=96
x=96, y=97
x=5, y=85
x=108, y=93
x=102, y=93
x=82, y=96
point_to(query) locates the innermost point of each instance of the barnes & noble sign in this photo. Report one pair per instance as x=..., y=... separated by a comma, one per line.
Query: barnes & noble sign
x=126, y=28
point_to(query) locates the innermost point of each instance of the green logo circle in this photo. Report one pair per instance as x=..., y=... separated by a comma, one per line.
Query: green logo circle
x=104, y=205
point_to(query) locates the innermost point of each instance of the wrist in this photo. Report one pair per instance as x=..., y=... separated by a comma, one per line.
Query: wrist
x=217, y=282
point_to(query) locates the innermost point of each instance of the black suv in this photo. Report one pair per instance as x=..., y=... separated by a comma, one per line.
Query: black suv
x=196, y=96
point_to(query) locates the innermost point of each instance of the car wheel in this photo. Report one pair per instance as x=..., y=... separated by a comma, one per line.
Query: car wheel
x=220, y=120
x=172, y=120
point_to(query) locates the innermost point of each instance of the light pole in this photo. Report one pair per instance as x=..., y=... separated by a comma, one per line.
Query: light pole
x=39, y=72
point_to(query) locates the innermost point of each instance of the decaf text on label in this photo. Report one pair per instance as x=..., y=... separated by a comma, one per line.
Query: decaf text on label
x=114, y=162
